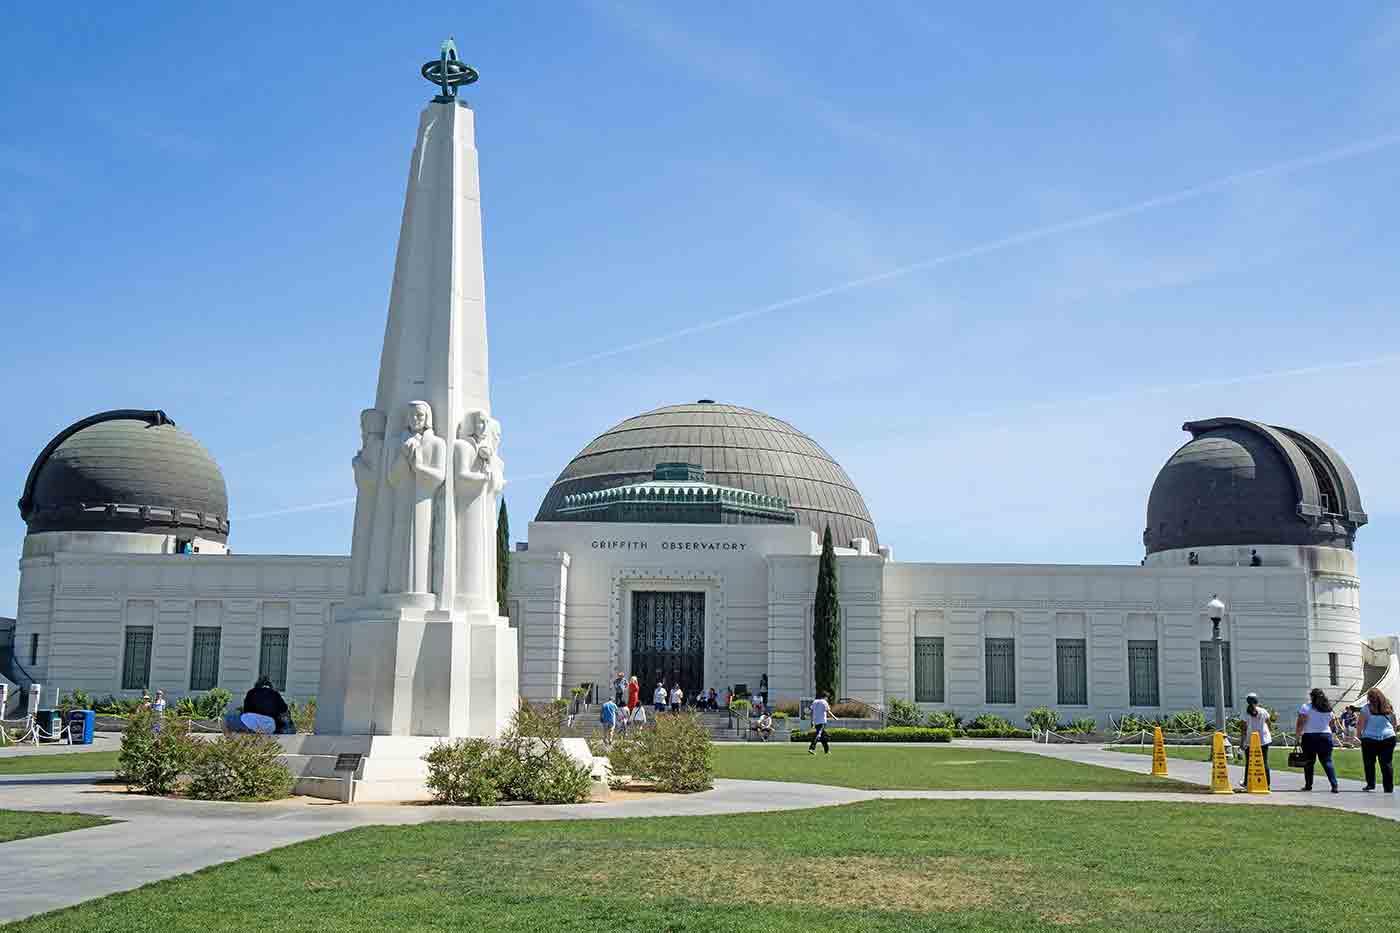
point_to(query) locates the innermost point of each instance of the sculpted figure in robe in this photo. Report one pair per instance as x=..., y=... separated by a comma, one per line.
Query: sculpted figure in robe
x=478, y=477
x=367, y=465
x=418, y=470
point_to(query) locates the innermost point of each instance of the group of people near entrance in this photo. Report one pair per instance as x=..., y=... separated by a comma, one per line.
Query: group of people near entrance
x=1319, y=729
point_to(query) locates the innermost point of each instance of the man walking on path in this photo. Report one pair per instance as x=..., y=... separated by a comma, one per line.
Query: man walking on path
x=821, y=712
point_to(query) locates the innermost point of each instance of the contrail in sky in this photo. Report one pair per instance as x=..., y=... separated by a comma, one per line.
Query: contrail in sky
x=1326, y=157
x=341, y=503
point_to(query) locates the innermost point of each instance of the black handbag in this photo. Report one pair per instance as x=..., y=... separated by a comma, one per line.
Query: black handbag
x=1297, y=758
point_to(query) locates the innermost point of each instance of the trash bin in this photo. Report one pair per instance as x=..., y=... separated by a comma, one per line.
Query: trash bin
x=49, y=722
x=80, y=722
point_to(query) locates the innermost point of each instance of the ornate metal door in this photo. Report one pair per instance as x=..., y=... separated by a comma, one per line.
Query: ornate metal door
x=668, y=641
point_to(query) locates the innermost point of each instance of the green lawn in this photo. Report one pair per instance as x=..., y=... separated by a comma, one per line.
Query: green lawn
x=57, y=764
x=1347, y=761
x=932, y=767
x=21, y=824
x=878, y=866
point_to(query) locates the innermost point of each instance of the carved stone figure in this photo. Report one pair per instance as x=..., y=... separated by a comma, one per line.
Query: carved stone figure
x=478, y=477
x=367, y=464
x=417, y=472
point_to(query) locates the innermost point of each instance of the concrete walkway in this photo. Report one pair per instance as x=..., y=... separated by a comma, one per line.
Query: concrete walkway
x=160, y=838
x=101, y=742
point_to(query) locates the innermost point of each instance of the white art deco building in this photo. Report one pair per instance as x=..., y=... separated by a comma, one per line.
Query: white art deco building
x=683, y=543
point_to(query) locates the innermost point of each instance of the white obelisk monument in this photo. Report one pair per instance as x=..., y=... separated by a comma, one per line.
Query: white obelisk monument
x=420, y=651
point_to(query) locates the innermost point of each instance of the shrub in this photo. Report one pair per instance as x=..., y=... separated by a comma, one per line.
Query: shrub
x=852, y=709
x=464, y=771
x=940, y=719
x=112, y=706
x=76, y=699
x=1082, y=725
x=676, y=754
x=1132, y=723
x=239, y=767
x=303, y=715
x=787, y=706
x=739, y=708
x=990, y=721
x=1185, y=722
x=1009, y=733
x=210, y=705
x=780, y=716
x=1043, y=718
x=903, y=713
x=887, y=734
x=152, y=759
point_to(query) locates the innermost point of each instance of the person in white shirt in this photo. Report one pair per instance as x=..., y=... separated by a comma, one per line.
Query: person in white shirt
x=1256, y=719
x=639, y=715
x=821, y=712
x=658, y=697
x=677, y=698
x=1314, y=731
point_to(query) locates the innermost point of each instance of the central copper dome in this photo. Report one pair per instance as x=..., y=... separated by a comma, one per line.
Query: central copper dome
x=738, y=447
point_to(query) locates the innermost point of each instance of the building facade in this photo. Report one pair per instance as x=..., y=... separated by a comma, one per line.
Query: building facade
x=682, y=545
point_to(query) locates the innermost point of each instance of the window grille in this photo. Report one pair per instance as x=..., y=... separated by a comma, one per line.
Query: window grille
x=1001, y=670
x=1142, y=674
x=1208, y=674
x=204, y=659
x=136, y=658
x=1072, y=672
x=928, y=670
x=272, y=659
x=1333, y=674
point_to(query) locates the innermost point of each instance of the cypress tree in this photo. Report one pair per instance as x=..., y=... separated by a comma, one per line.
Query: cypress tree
x=502, y=560
x=826, y=623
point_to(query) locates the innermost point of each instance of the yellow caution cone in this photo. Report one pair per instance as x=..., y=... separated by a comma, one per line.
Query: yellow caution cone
x=1255, y=778
x=1219, y=774
x=1159, y=753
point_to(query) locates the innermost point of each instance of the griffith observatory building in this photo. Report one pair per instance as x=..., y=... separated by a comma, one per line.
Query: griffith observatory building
x=683, y=544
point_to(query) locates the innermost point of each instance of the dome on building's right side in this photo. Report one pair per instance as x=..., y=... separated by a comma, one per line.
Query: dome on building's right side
x=1243, y=483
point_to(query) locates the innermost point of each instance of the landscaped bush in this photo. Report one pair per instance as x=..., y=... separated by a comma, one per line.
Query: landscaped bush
x=1081, y=725
x=903, y=713
x=1132, y=723
x=940, y=719
x=739, y=708
x=1008, y=733
x=464, y=771
x=239, y=767
x=155, y=753
x=209, y=705
x=1043, y=718
x=113, y=706
x=303, y=715
x=675, y=754
x=852, y=709
x=780, y=716
x=1186, y=722
x=787, y=706
x=76, y=699
x=887, y=734
x=990, y=721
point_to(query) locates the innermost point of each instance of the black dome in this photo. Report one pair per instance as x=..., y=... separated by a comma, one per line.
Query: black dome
x=126, y=470
x=737, y=447
x=1238, y=483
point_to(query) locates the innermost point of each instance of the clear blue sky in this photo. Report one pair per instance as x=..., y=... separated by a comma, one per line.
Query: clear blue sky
x=198, y=212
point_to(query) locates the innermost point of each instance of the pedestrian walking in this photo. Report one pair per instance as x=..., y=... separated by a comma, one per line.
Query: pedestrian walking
x=1256, y=721
x=1376, y=726
x=609, y=719
x=658, y=697
x=1314, y=731
x=639, y=716
x=821, y=712
x=619, y=688
x=677, y=697
x=634, y=693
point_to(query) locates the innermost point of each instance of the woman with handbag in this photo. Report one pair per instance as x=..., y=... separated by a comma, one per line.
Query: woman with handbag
x=1314, y=731
x=1376, y=726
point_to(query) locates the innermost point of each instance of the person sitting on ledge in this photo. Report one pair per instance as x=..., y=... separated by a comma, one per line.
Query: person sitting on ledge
x=763, y=727
x=264, y=712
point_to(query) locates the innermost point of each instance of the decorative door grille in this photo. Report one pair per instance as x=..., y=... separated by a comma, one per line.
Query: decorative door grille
x=668, y=640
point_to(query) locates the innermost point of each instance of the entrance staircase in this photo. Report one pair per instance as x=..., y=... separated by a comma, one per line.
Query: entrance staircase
x=721, y=726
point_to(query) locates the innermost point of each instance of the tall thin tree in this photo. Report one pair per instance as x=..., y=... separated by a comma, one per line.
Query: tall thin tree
x=826, y=624
x=503, y=560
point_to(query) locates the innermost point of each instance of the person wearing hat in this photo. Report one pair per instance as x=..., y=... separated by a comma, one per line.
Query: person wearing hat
x=1256, y=719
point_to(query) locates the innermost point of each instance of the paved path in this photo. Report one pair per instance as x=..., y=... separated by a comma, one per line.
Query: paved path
x=160, y=838
x=101, y=742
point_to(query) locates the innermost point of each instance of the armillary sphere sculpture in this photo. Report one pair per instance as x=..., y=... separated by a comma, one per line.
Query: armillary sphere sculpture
x=449, y=73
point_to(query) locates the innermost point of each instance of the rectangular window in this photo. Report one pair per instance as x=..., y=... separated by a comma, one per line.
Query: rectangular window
x=928, y=670
x=1001, y=670
x=34, y=648
x=1142, y=674
x=1333, y=675
x=1208, y=674
x=1072, y=672
x=272, y=659
x=136, y=658
x=204, y=660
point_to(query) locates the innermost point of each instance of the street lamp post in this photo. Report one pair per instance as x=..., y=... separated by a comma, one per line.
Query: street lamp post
x=1216, y=610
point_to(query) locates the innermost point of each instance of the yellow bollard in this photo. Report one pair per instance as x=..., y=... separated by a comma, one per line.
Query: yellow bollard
x=1159, y=753
x=1219, y=774
x=1255, y=778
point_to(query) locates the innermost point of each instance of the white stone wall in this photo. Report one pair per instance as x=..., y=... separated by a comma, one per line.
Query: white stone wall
x=81, y=604
x=1267, y=623
x=538, y=585
x=792, y=593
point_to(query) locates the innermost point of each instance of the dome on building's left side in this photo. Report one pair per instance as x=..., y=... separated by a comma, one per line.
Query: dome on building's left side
x=126, y=470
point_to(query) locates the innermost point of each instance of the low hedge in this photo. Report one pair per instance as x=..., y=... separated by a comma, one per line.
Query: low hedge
x=887, y=734
x=993, y=734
